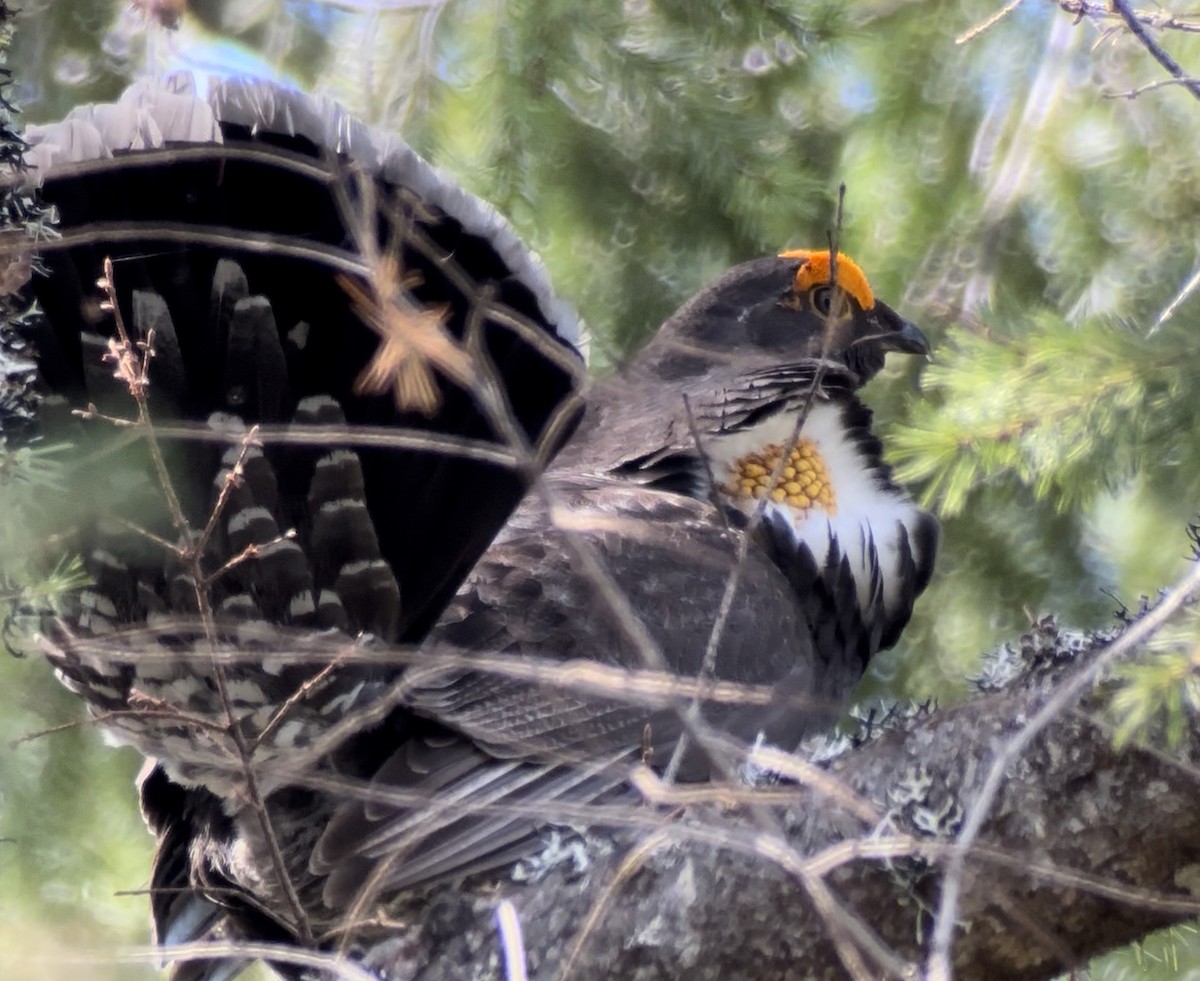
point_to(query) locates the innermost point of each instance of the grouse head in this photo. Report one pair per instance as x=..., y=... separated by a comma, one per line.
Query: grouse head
x=748, y=396
x=797, y=306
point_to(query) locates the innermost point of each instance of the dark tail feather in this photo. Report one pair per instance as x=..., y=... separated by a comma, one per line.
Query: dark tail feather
x=271, y=197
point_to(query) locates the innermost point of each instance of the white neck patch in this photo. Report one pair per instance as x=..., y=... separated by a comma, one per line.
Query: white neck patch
x=866, y=520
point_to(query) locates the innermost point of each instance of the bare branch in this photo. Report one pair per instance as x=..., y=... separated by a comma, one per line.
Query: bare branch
x=721, y=898
x=1138, y=29
x=1014, y=747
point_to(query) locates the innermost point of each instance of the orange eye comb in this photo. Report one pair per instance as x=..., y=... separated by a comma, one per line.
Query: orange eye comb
x=814, y=271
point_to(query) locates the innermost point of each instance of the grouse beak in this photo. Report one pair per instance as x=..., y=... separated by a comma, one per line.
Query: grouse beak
x=900, y=335
x=893, y=333
x=906, y=339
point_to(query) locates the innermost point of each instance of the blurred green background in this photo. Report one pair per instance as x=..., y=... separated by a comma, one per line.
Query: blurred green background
x=1003, y=190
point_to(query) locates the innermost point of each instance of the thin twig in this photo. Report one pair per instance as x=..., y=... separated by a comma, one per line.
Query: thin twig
x=508, y=923
x=714, y=492
x=253, y=551
x=326, y=437
x=1172, y=308
x=1138, y=30
x=844, y=928
x=1160, y=20
x=990, y=22
x=226, y=238
x=295, y=698
x=169, y=547
x=91, y=412
x=324, y=964
x=138, y=387
x=741, y=556
x=232, y=479
x=132, y=369
x=630, y=864
x=1151, y=86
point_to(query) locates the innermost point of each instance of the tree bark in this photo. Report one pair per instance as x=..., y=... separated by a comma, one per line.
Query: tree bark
x=1085, y=848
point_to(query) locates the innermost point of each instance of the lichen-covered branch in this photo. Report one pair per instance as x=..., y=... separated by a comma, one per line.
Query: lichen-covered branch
x=1084, y=849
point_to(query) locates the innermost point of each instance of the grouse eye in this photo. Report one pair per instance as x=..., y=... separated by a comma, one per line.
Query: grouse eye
x=822, y=299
